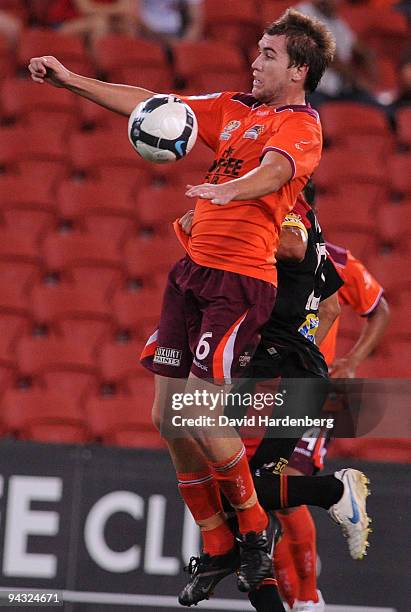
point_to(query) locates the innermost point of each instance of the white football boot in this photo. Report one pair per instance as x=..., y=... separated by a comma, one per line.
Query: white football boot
x=350, y=512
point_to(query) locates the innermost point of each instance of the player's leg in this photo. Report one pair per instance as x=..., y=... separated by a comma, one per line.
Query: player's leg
x=167, y=353
x=197, y=485
x=295, y=557
x=227, y=339
x=342, y=494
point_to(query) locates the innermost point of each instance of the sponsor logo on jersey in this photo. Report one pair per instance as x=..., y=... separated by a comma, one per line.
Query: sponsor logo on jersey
x=167, y=356
x=244, y=360
x=263, y=113
x=254, y=132
x=200, y=365
x=309, y=327
x=229, y=128
x=226, y=165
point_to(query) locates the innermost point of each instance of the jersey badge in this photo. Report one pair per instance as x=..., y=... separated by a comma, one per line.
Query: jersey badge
x=229, y=128
x=244, y=360
x=254, y=132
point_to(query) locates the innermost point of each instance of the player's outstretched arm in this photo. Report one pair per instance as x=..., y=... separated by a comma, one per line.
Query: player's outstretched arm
x=275, y=170
x=121, y=99
x=370, y=337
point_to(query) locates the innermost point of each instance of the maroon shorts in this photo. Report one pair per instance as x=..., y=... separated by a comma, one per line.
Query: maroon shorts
x=210, y=323
x=309, y=454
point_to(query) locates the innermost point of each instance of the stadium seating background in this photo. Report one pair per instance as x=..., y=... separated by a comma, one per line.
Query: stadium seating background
x=85, y=236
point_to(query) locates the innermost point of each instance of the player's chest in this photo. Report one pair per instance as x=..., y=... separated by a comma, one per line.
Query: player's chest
x=246, y=133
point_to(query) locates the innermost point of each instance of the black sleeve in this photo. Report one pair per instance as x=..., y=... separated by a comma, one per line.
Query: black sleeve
x=332, y=280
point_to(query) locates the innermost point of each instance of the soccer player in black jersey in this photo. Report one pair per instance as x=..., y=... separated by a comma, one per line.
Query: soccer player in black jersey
x=288, y=351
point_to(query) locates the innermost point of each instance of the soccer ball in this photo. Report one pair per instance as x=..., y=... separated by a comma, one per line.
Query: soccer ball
x=162, y=129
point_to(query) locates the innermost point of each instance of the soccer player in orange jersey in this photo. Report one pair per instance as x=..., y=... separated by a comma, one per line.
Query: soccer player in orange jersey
x=295, y=555
x=218, y=297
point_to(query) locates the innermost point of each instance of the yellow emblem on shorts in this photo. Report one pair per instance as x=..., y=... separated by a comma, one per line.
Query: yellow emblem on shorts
x=309, y=328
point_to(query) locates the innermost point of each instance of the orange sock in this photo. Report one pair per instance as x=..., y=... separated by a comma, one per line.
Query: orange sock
x=234, y=478
x=285, y=572
x=300, y=528
x=202, y=496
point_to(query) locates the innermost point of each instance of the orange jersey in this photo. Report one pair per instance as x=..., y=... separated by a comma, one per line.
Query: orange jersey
x=243, y=236
x=360, y=291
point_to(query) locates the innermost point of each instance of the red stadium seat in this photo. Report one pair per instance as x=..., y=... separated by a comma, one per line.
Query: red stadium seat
x=94, y=116
x=360, y=242
x=133, y=311
x=118, y=360
x=69, y=49
x=63, y=251
x=12, y=327
x=36, y=355
x=157, y=206
x=200, y=64
x=124, y=420
x=7, y=59
x=22, y=99
x=358, y=16
x=389, y=269
x=21, y=234
x=236, y=22
x=398, y=358
x=109, y=227
x=387, y=76
x=20, y=143
x=91, y=153
x=336, y=210
x=17, y=280
x=68, y=300
x=337, y=167
x=70, y=383
x=18, y=191
x=393, y=222
x=270, y=11
x=396, y=450
x=51, y=171
x=45, y=416
x=119, y=55
x=162, y=253
x=389, y=34
x=403, y=119
x=400, y=176
x=76, y=199
x=341, y=119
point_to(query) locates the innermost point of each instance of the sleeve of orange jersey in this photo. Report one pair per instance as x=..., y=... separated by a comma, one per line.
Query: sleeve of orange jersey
x=209, y=112
x=299, y=139
x=360, y=290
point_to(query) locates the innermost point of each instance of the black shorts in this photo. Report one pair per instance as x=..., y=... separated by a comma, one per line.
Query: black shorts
x=306, y=393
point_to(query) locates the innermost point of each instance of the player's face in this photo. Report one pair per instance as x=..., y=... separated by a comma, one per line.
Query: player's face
x=271, y=71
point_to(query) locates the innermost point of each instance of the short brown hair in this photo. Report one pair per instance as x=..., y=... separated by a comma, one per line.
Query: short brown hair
x=309, y=43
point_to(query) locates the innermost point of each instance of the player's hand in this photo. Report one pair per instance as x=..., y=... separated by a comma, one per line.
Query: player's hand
x=186, y=222
x=343, y=368
x=48, y=69
x=218, y=194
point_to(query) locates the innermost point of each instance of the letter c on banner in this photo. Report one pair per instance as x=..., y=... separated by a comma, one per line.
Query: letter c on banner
x=103, y=509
